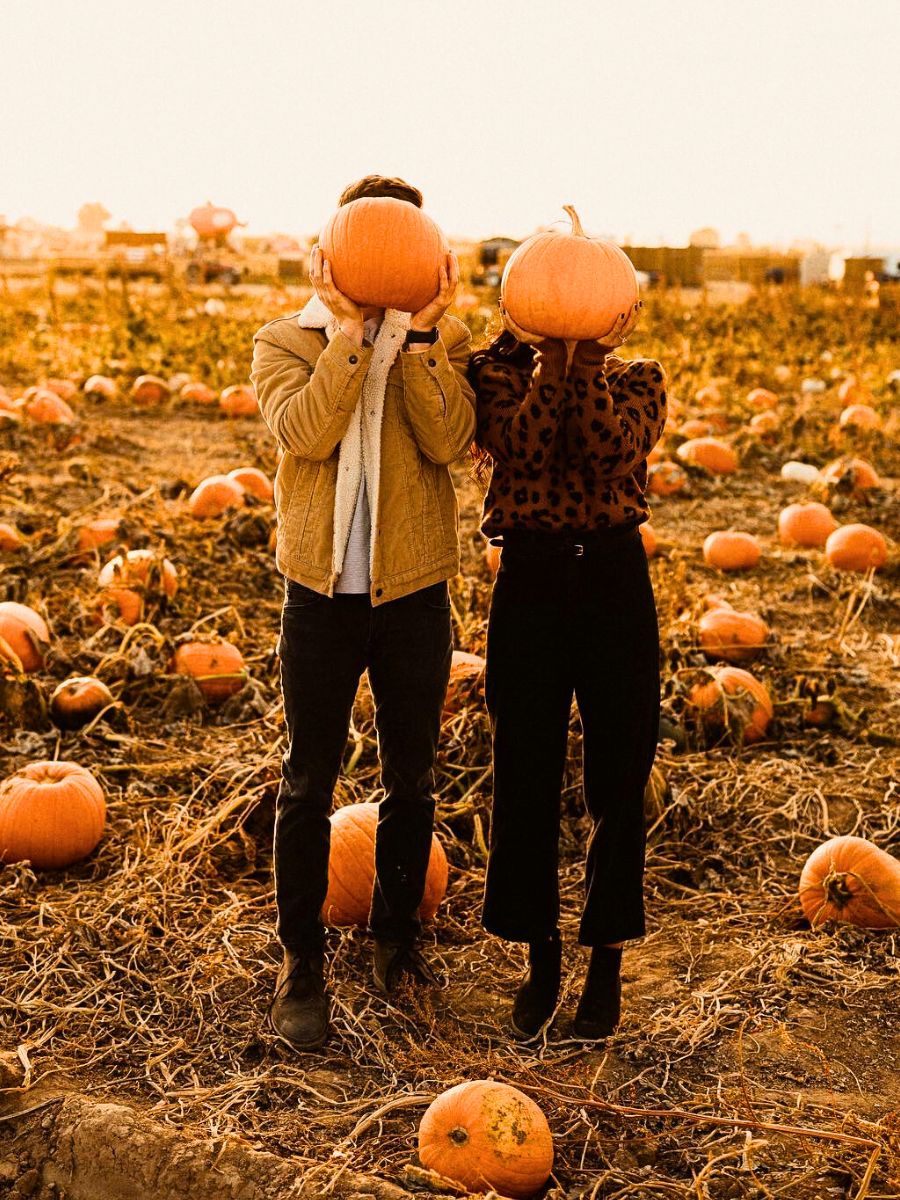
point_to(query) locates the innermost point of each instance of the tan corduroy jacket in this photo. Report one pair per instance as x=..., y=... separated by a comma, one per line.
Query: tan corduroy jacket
x=307, y=388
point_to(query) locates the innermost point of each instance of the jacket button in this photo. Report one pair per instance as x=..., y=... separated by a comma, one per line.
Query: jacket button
x=353, y=358
x=432, y=363
x=378, y=591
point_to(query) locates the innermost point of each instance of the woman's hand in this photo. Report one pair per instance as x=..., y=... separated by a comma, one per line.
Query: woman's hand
x=448, y=280
x=545, y=344
x=623, y=327
x=349, y=315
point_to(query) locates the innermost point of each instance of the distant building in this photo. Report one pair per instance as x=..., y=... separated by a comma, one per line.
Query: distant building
x=706, y=238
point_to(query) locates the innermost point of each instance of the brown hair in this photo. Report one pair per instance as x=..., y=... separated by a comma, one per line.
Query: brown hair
x=381, y=185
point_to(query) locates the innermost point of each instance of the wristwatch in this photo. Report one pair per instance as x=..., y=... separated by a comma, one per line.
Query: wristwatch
x=427, y=339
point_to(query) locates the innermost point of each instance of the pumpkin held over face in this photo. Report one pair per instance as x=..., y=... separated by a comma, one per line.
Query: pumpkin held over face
x=384, y=253
x=51, y=814
x=850, y=879
x=351, y=868
x=564, y=284
x=487, y=1136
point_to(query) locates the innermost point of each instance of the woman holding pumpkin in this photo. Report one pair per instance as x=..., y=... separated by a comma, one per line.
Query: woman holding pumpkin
x=568, y=425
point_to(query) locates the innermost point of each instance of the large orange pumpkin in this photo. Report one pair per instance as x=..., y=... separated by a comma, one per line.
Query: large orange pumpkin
x=217, y=668
x=709, y=453
x=213, y=495
x=487, y=1136
x=856, y=548
x=125, y=582
x=850, y=879
x=149, y=390
x=735, y=636
x=807, y=524
x=732, y=694
x=254, y=481
x=239, y=400
x=351, y=868
x=46, y=408
x=666, y=478
x=384, y=253
x=25, y=632
x=563, y=284
x=51, y=814
x=78, y=700
x=731, y=550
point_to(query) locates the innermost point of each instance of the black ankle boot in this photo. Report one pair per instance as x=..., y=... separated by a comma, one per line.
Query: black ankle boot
x=537, y=995
x=299, y=1011
x=600, y=1005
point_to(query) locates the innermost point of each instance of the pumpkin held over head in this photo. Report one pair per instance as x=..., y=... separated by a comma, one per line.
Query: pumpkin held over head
x=487, y=1136
x=384, y=253
x=351, y=868
x=51, y=814
x=567, y=285
x=850, y=879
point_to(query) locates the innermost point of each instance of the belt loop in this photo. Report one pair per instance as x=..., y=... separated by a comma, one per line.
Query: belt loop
x=579, y=549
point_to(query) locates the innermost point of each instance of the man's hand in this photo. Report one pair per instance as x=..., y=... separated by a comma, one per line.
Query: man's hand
x=622, y=329
x=448, y=280
x=349, y=315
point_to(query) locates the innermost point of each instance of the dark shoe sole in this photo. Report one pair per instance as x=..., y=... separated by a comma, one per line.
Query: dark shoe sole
x=311, y=1045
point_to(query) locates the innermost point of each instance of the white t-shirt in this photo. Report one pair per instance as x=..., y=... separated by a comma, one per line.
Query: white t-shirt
x=354, y=576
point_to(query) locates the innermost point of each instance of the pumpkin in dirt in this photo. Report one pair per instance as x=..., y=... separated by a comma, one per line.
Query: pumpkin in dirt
x=564, y=284
x=149, y=390
x=214, y=495
x=695, y=428
x=98, y=532
x=859, y=416
x=762, y=399
x=78, y=700
x=648, y=537
x=101, y=387
x=851, y=474
x=239, y=401
x=666, y=478
x=198, y=393
x=64, y=388
x=126, y=582
x=217, y=668
x=51, y=814
x=711, y=454
x=708, y=396
x=466, y=679
x=46, y=408
x=807, y=524
x=384, y=253
x=487, y=1136
x=723, y=632
x=731, y=550
x=731, y=697
x=765, y=425
x=492, y=554
x=254, y=481
x=10, y=538
x=351, y=868
x=25, y=632
x=856, y=548
x=852, y=880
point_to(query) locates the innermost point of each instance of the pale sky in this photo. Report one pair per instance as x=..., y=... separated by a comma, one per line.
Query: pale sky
x=775, y=117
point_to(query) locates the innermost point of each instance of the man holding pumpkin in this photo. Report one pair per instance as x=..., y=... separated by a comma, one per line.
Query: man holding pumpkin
x=369, y=406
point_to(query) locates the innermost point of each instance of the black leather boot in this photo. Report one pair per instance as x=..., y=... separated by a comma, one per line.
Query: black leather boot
x=299, y=1011
x=536, y=998
x=394, y=962
x=600, y=1005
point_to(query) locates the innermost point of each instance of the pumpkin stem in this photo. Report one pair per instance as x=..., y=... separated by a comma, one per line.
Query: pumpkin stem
x=834, y=885
x=577, y=227
x=458, y=1135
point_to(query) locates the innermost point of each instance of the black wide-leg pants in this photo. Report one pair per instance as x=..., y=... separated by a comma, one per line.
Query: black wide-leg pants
x=565, y=623
x=324, y=646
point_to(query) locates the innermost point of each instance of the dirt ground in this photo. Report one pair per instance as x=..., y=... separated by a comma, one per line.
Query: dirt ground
x=141, y=976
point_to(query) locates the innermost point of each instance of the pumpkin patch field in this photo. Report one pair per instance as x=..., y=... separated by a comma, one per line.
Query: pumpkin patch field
x=141, y=734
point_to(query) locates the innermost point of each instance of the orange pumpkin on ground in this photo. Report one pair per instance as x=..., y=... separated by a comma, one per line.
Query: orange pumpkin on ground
x=10, y=538
x=100, y=387
x=648, y=537
x=125, y=582
x=859, y=474
x=46, y=408
x=856, y=548
x=351, y=868
x=735, y=636
x=384, y=252
x=731, y=550
x=718, y=420
x=51, y=814
x=806, y=524
x=254, y=481
x=25, y=632
x=852, y=880
x=712, y=455
x=859, y=416
x=149, y=390
x=487, y=1136
x=198, y=393
x=732, y=695
x=78, y=700
x=708, y=395
x=762, y=398
x=98, y=532
x=466, y=676
x=695, y=428
x=239, y=401
x=666, y=478
x=492, y=554
x=214, y=495
x=64, y=388
x=765, y=424
x=217, y=668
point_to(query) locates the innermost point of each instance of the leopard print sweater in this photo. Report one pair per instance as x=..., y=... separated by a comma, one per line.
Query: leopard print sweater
x=569, y=449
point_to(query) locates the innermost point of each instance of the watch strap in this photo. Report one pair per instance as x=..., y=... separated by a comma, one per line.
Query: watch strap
x=423, y=338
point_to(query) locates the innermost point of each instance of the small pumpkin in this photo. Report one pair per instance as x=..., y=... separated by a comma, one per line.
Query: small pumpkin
x=762, y=398
x=384, y=253
x=214, y=495
x=695, y=428
x=708, y=396
x=859, y=416
x=46, y=408
x=64, y=388
x=487, y=1136
x=852, y=880
x=765, y=424
x=466, y=677
x=239, y=401
x=126, y=581
x=254, y=481
x=564, y=284
x=723, y=632
x=51, y=814
x=648, y=537
x=492, y=554
x=149, y=390
x=218, y=668
x=98, y=532
x=25, y=632
x=351, y=868
x=806, y=524
x=856, y=548
x=853, y=474
x=731, y=550
x=100, y=387
x=10, y=538
x=711, y=454
x=198, y=393
x=666, y=478
x=77, y=701
x=731, y=694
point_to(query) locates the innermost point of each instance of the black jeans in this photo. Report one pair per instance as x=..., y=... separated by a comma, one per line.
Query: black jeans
x=564, y=623
x=324, y=647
